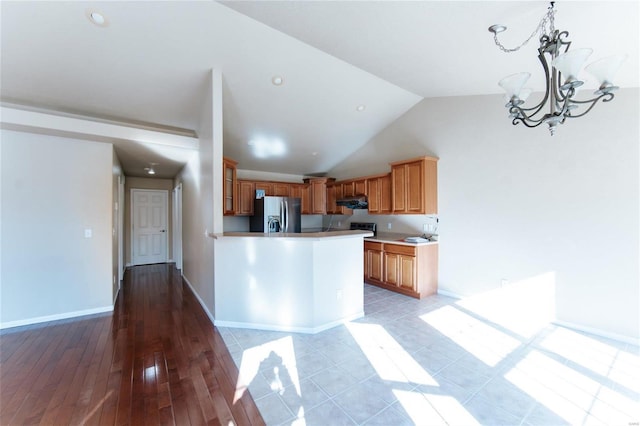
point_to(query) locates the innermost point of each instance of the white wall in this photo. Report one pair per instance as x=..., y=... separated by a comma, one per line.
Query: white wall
x=53, y=189
x=201, y=215
x=515, y=202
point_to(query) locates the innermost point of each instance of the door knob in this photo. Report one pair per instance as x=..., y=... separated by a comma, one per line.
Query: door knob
x=162, y=230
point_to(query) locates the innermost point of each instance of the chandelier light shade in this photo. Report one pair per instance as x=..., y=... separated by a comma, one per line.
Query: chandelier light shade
x=562, y=68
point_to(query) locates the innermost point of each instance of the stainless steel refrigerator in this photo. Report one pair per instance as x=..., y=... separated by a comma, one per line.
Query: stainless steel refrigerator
x=276, y=214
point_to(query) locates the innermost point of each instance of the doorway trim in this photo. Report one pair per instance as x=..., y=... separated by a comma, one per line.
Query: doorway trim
x=176, y=229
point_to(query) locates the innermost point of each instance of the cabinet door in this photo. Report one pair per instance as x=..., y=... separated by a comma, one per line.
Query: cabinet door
x=306, y=199
x=360, y=187
x=414, y=187
x=266, y=186
x=407, y=268
x=373, y=197
x=374, y=265
x=398, y=189
x=347, y=189
x=246, y=195
x=391, y=268
x=384, y=183
x=281, y=189
x=318, y=197
x=229, y=191
x=331, y=199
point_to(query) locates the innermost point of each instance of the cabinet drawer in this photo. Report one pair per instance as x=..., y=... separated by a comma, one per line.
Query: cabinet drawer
x=398, y=249
x=369, y=245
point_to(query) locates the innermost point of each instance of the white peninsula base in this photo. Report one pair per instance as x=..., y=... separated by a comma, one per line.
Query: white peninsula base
x=289, y=282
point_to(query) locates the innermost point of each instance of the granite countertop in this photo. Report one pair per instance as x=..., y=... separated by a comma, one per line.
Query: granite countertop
x=397, y=238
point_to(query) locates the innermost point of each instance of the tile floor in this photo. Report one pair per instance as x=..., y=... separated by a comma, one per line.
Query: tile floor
x=437, y=361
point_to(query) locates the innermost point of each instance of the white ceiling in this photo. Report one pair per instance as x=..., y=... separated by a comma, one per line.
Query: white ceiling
x=150, y=65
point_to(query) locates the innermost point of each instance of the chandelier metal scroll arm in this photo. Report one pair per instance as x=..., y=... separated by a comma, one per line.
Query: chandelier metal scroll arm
x=606, y=97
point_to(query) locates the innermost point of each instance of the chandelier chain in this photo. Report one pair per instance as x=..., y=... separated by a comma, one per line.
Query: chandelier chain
x=547, y=18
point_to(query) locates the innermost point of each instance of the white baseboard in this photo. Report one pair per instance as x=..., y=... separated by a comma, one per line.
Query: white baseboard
x=285, y=328
x=598, y=332
x=56, y=317
x=450, y=294
x=195, y=293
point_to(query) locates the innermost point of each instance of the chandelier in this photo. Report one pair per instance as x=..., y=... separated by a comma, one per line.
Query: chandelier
x=561, y=69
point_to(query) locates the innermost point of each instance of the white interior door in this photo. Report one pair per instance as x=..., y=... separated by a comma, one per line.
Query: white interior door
x=149, y=226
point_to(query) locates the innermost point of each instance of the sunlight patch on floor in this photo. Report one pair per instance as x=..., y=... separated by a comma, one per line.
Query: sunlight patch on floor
x=279, y=354
x=567, y=392
x=523, y=307
x=418, y=408
x=583, y=350
x=387, y=356
x=455, y=413
x=479, y=339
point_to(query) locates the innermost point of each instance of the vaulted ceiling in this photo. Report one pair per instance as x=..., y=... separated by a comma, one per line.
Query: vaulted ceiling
x=149, y=64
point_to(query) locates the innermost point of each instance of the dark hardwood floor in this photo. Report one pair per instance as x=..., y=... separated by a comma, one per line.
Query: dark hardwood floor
x=156, y=360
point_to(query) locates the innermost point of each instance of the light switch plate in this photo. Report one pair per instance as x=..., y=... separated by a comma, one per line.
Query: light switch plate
x=88, y=233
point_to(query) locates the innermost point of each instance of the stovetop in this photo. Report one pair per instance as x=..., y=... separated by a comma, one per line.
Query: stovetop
x=363, y=226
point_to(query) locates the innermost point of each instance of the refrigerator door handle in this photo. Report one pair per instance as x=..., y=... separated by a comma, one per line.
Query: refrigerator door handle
x=286, y=216
x=281, y=216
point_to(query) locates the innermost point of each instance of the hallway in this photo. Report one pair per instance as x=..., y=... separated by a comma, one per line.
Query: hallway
x=156, y=360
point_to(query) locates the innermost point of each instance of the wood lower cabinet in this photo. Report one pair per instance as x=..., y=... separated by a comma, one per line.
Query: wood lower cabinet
x=410, y=270
x=246, y=197
x=373, y=262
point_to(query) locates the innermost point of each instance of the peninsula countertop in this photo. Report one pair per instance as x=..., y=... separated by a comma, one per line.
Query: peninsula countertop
x=397, y=238
x=302, y=235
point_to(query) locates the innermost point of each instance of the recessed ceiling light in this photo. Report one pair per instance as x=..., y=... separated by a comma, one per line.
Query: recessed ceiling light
x=314, y=153
x=96, y=18
x=277, y=80
x=361, y=108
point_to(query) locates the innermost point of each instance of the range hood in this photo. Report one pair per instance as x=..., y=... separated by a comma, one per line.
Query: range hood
x=357, y=202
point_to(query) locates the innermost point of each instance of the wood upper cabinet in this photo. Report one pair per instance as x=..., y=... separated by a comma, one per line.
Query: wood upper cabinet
x=301, y=190
x=414, y=186
x=318, y=194
x=331, y=198
x=347, y=189
x=410, y=270
x=246, y=195
x=379, y=194
x=360, y=187
x=229, y=189
x=266, y=186
x=281, y=189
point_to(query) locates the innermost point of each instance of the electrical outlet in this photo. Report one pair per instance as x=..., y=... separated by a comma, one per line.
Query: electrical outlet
x=504, y=282
x=389, y=225
x=339, y=295
x=339, y=224
x=425, y=228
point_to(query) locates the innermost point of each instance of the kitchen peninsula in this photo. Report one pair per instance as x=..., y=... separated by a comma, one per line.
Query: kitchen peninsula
x=305, y=282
